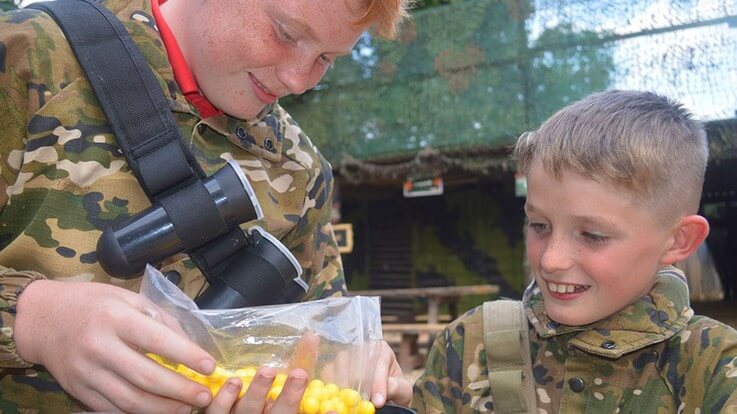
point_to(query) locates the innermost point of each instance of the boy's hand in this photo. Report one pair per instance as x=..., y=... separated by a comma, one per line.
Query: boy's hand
x=255, y=398
x=389, y=383
x=88, y=335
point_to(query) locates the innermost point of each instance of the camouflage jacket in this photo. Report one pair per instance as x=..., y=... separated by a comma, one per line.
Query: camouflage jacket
x=653, y=356
x=63, y=178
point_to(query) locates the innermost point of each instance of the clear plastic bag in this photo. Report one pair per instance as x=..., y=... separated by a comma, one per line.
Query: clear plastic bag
x=335, y=340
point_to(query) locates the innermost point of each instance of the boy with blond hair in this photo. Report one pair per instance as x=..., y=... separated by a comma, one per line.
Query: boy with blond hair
x=614, y=183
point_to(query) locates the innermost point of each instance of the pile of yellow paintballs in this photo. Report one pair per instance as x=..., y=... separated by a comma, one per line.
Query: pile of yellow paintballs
x=319, y=398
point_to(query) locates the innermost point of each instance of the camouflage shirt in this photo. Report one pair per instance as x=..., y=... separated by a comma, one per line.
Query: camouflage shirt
x=653, y=356
x=63, y=178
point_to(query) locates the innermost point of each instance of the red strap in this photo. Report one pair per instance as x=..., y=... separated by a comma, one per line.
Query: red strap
x=202, y=104
x=182, y=74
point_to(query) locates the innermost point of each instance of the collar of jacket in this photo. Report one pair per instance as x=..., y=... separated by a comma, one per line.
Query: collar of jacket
x=651, y=319
x=260, y=136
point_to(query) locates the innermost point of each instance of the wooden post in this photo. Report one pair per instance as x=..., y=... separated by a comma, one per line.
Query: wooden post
x=433, y=305
x=407, y=351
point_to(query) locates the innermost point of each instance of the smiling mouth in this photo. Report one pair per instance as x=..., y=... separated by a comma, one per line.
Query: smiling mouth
x=260, y=85
x=566, y=288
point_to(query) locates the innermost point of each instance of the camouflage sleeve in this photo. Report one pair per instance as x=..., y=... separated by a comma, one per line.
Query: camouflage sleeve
x=699, y=364
x=14, y=106
x=12, y=283
x=437, y=390
x=14, y=101
x=721, y=390
x=314, y=245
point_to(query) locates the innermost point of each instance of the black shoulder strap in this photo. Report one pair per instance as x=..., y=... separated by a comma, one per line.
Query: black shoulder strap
x=144, y=127
x=128, y=93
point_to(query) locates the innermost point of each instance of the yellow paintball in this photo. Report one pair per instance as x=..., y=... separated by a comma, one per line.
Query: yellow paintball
x=319, y=398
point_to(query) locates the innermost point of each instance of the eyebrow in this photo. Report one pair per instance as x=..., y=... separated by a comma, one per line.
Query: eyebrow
x=306, y=29
x=597, y=221
x=591, y=220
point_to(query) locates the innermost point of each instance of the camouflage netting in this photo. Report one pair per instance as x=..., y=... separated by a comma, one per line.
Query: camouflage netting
x=6, y=5
x=472, y=76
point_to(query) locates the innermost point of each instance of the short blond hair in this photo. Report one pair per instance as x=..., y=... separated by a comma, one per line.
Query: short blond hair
x=642, y=142
x=385, y=16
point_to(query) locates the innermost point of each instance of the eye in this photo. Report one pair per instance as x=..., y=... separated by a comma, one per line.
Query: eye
x=539, y=228
x=283, y=35
x=325, y=60
x=595, y=238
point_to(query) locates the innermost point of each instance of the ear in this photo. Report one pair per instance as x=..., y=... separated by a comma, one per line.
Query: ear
x=688, y=234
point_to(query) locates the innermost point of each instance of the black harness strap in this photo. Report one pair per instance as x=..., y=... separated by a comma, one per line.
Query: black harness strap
x=144, y=127
x=128, y=92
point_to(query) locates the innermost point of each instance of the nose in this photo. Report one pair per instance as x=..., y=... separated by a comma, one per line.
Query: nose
x=298, y=74
x=557, y=256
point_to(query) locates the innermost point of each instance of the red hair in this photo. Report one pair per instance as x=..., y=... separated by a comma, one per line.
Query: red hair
x=384, y=16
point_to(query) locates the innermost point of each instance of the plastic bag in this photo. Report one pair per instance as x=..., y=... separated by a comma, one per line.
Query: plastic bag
x=335, y=340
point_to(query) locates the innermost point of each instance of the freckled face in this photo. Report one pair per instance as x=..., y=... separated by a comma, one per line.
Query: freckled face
x=593, y=249
x=245, y=54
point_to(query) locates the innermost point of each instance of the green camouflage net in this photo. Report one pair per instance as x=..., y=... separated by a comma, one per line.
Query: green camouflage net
x=6, y=5
x=471, y=76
